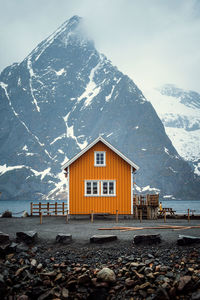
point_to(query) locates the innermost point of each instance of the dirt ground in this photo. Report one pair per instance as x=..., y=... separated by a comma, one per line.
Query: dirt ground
x=82, y=230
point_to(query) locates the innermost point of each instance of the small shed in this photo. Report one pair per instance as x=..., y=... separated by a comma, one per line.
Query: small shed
x=100, y=180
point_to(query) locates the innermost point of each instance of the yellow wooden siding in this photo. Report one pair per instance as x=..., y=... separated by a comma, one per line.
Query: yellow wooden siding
x=83, y=169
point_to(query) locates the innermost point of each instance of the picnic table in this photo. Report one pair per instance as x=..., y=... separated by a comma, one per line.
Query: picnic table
x=167, y=210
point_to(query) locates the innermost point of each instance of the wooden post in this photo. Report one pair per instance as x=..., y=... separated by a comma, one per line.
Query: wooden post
x=92, y=216
x=31, y=208
x=39, y=207
x=136, y=212
x=67, y=217
x=140, y=215
x=149, y=214
x=40, y=217
x=47, y=208
x=63, y=208
x=188, y=215
x=56, y=208
x=117, y=216
x=165, y=216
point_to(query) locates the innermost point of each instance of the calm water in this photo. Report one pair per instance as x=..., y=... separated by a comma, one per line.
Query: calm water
x=180, y=206
x=18, y=207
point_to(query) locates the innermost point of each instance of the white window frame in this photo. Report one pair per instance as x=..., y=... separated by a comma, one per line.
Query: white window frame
x=100, y=188
x=95, y=158
x=114, y=187
x=92, y=195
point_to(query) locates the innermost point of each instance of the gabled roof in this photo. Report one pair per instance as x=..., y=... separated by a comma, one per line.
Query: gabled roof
x=100, y=139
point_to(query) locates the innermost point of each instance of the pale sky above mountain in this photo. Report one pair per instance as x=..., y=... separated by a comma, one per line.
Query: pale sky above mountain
x=152, y=41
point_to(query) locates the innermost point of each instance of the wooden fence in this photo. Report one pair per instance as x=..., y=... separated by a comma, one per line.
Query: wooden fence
x=49, y=209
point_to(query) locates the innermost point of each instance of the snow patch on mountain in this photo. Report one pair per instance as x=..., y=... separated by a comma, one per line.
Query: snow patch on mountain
x=91, y=89
x=179, y=111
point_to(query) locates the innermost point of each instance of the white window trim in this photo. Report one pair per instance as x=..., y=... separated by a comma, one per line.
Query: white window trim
x=104, y=157
x=100, y=188
x=92, y=195
x=108, y=195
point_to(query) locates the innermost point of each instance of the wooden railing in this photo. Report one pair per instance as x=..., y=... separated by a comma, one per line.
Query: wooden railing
x=49, y=209
x=146, y=200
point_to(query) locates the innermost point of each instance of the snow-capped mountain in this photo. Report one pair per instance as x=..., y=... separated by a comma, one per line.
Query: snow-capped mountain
x=59, y=99
x=179, y=111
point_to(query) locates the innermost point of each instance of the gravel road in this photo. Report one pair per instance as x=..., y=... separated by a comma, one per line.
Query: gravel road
x=82, y=230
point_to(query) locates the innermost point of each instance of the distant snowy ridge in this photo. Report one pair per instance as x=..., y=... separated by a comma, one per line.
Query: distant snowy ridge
x=179, y=111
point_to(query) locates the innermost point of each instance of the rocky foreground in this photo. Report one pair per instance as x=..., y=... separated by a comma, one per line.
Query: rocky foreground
x=117, y=270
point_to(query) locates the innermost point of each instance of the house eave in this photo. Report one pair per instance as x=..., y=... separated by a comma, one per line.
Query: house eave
x=108, y=145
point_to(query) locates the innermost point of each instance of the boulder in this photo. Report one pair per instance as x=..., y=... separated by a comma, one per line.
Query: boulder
x=147, y=239
x=4, y=244
x=7, y=214
x=27, y=237
x=103, y=238
x=63, y=238
x=4, y=238
x=106, y=275
x=187, y=240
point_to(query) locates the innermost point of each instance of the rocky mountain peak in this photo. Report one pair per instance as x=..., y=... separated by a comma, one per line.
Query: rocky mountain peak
x=60, y=98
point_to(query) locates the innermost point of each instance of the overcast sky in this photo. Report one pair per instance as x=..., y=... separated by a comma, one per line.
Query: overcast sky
x=153, y=41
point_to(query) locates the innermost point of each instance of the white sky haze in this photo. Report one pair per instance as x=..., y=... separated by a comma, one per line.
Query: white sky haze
x=152, y=41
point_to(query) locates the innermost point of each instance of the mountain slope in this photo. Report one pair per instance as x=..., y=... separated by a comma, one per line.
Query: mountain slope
x=179, y=111
x=60, y=98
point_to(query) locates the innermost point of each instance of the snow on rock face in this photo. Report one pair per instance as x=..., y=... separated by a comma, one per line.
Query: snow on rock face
x=67, y=95
x=179, y=111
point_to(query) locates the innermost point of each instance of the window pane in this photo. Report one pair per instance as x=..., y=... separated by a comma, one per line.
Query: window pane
x=105, y=188
x=99, y=158
x=88, y=190
x=111, y=188
x=95, y=188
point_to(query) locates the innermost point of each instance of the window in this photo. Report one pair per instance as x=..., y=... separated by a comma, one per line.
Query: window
x=108, y=188
x=91, y=188
x=99, y=158
x=100, y=188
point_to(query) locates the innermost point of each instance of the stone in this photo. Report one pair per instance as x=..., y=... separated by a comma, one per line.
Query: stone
x=33, y=262
x=7, y=214
x=28, y=237
x=147, y=239
x=187, y=240
x=106, y=275
x=4, y=238
x=83, y=279
x=103, y=238
x=65, y=293
x=64, y=238
x=196, y=295
x=129, y=282
x=183, y=282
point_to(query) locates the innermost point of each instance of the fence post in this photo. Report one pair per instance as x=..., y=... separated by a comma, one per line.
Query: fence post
x=63, y=208
x=117, y=216
x=56, y=208
x=47, y=208
x=165, y=216
x=67, y=217
x=140, y=215
x=136, y=212
x=188, y=215
x=40, y=217
x=31, y=208
x=39, y=207
x=92, y=216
